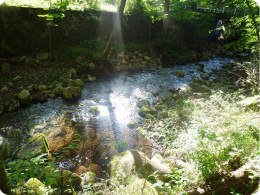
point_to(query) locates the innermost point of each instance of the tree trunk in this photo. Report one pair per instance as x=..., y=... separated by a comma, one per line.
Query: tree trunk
x=166, y=17
x=112, y=35
x=4, y=184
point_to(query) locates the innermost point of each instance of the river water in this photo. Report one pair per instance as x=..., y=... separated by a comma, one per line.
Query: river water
x=116, y=100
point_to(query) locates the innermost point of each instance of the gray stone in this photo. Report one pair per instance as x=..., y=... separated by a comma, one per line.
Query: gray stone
x=6, y=69
x=23, y=95
x=4, y=89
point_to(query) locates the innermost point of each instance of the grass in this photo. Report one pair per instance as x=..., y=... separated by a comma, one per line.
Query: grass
x=209, y=140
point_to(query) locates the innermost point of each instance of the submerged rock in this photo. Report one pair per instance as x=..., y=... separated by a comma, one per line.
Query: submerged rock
x=179, y=73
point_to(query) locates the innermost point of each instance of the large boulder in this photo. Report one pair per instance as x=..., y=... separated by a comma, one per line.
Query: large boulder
x=70, y=92
x=6, y=69
x=23, y=95
x=128, y=161
x=34, y=186
x=147, y=112
x=157, y=166
x=141, y=186
x=37, y=145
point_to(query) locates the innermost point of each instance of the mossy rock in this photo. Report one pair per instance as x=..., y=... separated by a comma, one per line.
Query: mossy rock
x=142, y=103
x=37, y=145
x=147, y=112
x=89, y=178
x=141, y=186
x=34, y=186
x=69, y=178
x=251, y=103
x=131, y=124
x=127, y=162
x=94, y=110
x=179, y=73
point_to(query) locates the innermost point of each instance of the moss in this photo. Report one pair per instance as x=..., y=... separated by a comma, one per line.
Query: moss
x=131, y=124
x=35, y=186
x=94, y=110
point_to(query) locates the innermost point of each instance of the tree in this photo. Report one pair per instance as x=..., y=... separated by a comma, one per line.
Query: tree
x=166, y=17
x=112, y=35
x=4, y=182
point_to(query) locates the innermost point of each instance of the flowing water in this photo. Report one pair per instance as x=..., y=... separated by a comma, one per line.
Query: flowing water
x=106, y=133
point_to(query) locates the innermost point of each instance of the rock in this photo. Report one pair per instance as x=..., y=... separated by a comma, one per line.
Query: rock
x=71, y=92
x=145, y=111
x=4, y=148
x=205, y=76
x=127, y=162
x=69, y=178
x=46, y=92
x=163, y=114
x=92, y=66
x=80, y=58
x=91, y=78
x=118, y=68
x=157, y=166
x=6, y=69
x=81, y=169
x=179, y=73
x=78, y=82
x=147, y=58
x=37, y=145
x=17, y=78
x=142, y=103
x=141, y=186
x=88, y=178
x=35, y=186
x=41, y=87
x=196, y=80
x=29, y=88
x=251, y=103
x=51, y=95
x=140, y=55
x=58, y=90
x=23, y=95
x=72, y=71
x=131, y=124
x=95, y=169
x=42, y=56
x=94, y=110
x=4, y=89
x=120, y=56
x=168, y=97
x=199, y=88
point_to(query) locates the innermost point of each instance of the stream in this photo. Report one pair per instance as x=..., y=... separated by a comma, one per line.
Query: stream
x=106, y=133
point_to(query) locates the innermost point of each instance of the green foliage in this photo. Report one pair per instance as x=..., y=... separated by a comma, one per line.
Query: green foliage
x=22, y=169
x=5, y=80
